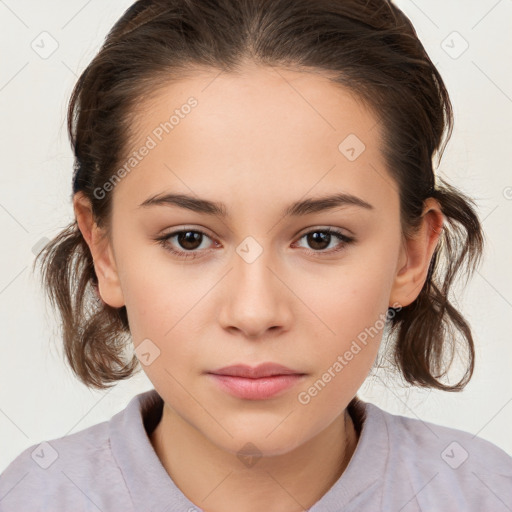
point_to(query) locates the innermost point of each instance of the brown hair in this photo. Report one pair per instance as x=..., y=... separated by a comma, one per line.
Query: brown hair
x=368, y=46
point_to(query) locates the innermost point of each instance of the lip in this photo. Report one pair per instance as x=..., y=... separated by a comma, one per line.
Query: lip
x=256, y=383
x=256, y=389
x=256, y=372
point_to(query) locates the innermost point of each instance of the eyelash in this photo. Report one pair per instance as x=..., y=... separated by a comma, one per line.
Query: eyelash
x=164, y=241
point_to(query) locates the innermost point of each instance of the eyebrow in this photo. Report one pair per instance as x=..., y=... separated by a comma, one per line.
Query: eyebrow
x=218, y=209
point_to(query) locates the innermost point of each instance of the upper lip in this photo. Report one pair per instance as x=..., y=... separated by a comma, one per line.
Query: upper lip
x=255, y=372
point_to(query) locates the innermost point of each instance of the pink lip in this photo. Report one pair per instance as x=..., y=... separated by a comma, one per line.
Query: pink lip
x=256, y=383
x=255, y=389
x=262, y=370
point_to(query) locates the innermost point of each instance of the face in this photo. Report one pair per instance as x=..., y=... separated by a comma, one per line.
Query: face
x=258, y=280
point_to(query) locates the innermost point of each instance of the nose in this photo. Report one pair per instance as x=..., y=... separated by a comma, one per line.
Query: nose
x=256, y=301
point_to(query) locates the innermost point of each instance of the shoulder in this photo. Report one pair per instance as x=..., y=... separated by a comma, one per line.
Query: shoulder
x=66, y=473
x=446, y=467
x=455, y=448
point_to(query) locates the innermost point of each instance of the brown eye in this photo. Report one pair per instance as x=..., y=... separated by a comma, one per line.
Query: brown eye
x=186, y=244
x=320, y=239
x=189, y=239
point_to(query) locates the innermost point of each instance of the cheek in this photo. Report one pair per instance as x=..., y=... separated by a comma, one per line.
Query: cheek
x=353, y=316
x=344, y=359
x=165, y=309
x=157, y=292
x=349, y=301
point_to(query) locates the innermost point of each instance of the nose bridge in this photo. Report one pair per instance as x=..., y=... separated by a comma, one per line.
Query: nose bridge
x=252, y=269
x=256, y=297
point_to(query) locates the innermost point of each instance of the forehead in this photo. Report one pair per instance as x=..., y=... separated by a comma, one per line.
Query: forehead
x=259, y=133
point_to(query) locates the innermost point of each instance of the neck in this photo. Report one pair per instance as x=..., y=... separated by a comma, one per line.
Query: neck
x=214, y=479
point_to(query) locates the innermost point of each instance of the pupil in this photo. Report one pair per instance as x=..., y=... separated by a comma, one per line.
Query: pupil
x=314, y=239
x=188, y=237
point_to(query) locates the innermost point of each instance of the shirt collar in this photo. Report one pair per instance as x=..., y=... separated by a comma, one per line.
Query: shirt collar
x=152, y=489
x=150, y=486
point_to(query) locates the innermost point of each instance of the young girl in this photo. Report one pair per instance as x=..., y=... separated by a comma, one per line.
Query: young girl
x=255, y=203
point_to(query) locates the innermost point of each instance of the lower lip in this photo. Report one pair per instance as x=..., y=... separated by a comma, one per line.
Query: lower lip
x=256, y=389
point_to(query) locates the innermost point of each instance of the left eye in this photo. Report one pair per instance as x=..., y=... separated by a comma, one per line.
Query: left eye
x=319, y=237
x=191, y=240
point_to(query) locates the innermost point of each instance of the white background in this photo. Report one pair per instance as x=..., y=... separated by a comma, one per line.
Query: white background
x=39, y=397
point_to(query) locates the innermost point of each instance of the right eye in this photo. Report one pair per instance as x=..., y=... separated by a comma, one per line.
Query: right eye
x=189, y=239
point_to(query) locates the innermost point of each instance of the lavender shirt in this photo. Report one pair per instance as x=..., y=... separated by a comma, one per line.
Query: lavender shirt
x=400, y=464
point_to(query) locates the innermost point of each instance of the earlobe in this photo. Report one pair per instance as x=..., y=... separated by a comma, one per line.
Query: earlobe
x=105, y=267
x=415, y=256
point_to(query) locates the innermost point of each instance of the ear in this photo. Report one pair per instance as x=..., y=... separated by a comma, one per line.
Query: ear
x=101, y=252
x=415, y=256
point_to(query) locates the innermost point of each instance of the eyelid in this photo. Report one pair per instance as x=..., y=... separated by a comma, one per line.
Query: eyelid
x=300, y=234
x=344, y=242
x=180, y=229
x=331, y=229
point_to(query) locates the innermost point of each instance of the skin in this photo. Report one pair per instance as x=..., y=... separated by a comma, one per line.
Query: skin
x=257, y=141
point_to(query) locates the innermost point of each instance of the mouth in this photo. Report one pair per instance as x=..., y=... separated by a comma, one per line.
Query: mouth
x=256, y=383
x=256, y=372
